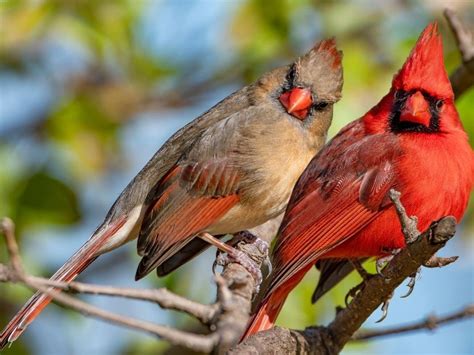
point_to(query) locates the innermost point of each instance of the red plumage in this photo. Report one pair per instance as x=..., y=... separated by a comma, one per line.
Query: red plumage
x=340, y=208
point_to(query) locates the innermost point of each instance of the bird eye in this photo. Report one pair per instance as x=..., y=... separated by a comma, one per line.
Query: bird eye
x=439, y=104
x=397, y=94
x=319, y=106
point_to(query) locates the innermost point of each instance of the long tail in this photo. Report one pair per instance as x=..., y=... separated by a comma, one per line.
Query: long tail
x=68, y=272
x=265, y=317
x=269, y=308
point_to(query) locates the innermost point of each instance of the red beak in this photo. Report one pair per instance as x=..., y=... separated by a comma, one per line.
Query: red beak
x=416, y=110
x=297, y=102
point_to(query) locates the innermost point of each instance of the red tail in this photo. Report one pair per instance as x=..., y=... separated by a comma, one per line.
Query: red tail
x=270, y=307
x=266, y=315
x=68, y=272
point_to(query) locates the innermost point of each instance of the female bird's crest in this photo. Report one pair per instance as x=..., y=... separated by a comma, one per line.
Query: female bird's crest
x=313, y=69
x=424, y=68
x=314, y=81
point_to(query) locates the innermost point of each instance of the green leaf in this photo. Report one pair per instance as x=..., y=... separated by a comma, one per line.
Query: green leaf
x=43, y=199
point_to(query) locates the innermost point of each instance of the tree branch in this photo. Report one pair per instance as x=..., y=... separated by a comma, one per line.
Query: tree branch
x=227, y=317
x=462, y=78
x=331, y=339
x=429, y=323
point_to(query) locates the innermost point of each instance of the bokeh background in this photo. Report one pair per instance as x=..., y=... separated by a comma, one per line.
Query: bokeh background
x=90, y=89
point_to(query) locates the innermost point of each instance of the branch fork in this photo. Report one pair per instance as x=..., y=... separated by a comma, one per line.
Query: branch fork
x=234, y=291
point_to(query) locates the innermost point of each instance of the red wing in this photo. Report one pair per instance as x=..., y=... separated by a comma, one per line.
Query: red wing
x=333, y=200
x=186, y=201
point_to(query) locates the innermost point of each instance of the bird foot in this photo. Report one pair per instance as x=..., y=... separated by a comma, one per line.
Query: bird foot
x=232, y=254
x=365, y=277
x=354, y=291
x=248, y=238
x=409, y=223
x=384, y=260
x=262, y=246
x=411, y=283
x=239, y=257
x=384, y=308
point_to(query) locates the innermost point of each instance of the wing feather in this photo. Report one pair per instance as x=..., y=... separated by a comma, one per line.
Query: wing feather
x=188, y=200
x=334, y=200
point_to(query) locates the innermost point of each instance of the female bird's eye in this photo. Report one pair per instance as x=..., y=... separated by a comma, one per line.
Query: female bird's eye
x=319, y=106
x=439, y=104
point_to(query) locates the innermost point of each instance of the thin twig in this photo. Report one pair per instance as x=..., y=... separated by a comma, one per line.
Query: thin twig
x=161, y=296
x=226, y=318
x=201, y=343
x=462, y=79
x=7, y=228
x=438, y=261
x=429, y=323
x=462, y=35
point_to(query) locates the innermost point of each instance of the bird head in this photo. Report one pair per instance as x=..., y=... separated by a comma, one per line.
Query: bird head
x=311, y=85
x=421, y=98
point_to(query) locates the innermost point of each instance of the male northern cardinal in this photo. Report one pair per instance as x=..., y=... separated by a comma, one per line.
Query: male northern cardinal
x=411, y=141
x=229, y=170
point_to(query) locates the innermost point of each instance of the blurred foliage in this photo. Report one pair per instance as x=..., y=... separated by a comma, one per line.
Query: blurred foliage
x=100, y=67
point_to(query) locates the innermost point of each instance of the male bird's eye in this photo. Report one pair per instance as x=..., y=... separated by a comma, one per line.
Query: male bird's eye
x=439, y=104
x=319, y=106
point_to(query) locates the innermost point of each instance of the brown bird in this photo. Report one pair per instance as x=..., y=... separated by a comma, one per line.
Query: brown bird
x=231, y=169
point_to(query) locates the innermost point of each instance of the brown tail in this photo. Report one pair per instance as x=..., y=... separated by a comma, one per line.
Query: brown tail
x=68, y=272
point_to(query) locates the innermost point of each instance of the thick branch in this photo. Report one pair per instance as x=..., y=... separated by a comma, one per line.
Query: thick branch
x=331, y=339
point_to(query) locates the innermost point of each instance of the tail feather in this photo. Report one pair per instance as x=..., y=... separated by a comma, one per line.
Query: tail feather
x=68, y=272
x=266, y=315
x=272, y=302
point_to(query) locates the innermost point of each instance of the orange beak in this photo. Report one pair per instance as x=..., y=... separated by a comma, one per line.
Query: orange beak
x=416, y=110
x=297, y=102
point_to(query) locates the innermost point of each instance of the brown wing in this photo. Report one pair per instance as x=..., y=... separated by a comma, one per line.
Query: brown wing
x=185, y=202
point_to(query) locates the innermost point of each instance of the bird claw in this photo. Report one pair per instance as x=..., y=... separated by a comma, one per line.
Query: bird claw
x=411, y=283
x=381, y=263
x=384, y=308
x=249, y=238
x=238, y=256
x=365, y=277
x=354, y=291
x=384, y=260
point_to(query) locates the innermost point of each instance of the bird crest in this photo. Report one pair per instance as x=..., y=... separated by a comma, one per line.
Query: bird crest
x=424, y=68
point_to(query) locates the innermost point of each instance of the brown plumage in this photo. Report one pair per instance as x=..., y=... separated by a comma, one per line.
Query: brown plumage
x=231, y=169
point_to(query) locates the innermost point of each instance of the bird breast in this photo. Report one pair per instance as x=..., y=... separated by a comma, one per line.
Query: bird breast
x=278, y=157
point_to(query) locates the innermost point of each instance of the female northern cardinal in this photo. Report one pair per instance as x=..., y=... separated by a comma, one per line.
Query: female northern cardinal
x=412, y=141
x=231, y=169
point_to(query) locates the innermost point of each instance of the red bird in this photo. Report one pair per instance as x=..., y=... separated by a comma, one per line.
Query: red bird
x=411, y=141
